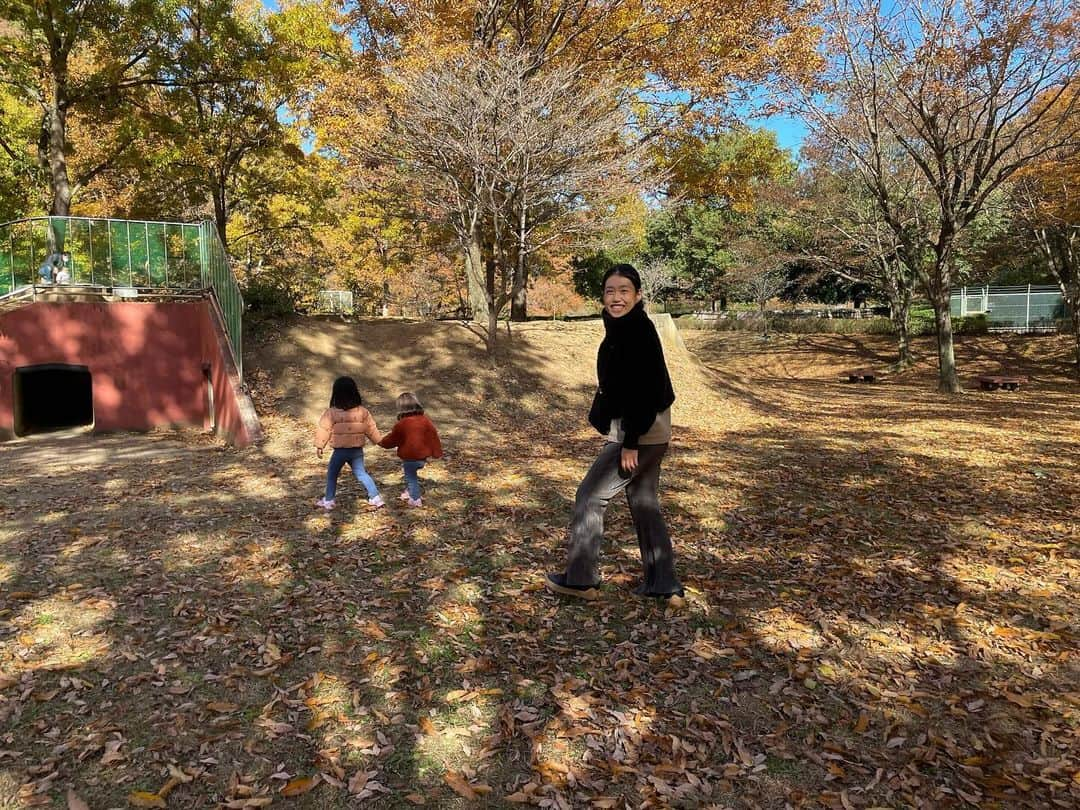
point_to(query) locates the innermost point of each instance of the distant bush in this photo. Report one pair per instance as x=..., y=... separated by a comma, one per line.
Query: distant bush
x=920, y=323
x=831, y=326
x=971, y=325
x=729, y=321
x=268, y=299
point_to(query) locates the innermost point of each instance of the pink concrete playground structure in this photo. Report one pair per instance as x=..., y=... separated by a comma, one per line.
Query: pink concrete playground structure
x=142, y=331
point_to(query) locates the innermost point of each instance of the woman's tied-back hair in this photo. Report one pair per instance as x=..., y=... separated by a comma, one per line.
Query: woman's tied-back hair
x=408, y=405
x=627, y=271
x=345, y=395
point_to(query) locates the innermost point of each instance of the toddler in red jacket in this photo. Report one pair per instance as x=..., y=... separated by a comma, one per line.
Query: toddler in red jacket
x=416, y=439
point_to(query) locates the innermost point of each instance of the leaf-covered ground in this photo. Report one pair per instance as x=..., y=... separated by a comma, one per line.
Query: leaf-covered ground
x=883, y=591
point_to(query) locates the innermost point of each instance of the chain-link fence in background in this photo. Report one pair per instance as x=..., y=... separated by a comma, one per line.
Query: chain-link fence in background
x=338, y=302
x=1016, y=309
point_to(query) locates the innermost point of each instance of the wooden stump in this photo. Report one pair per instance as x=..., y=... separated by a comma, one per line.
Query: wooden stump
x=860, y=375
x=995, y=382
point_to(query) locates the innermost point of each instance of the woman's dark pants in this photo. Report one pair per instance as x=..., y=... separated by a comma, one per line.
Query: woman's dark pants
x=602, y=483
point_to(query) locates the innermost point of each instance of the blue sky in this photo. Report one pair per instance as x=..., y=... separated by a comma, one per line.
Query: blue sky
x=790, y=132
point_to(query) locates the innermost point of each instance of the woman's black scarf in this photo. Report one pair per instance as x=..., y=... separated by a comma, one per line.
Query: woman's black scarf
x=634, y=384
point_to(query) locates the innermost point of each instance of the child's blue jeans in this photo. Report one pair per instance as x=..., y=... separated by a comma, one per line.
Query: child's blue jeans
x=354, y=457
x=412, y=480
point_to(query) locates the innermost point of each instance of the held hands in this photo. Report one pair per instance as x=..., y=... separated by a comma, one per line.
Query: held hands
x=629, y=460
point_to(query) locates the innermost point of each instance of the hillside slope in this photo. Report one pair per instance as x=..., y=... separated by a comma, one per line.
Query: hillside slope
x=539, y=384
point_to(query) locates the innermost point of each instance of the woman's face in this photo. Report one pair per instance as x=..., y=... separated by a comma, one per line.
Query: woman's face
x=619, y=296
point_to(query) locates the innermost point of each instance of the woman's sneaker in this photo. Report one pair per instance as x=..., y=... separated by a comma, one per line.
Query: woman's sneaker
x=556, y=583
x=417, y=502
x=322, y=503
x=377, y=502
x=675, y=601
x=404, y=496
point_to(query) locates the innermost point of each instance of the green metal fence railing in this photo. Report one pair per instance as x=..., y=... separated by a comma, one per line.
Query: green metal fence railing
x=145, y=255
x=218, y=276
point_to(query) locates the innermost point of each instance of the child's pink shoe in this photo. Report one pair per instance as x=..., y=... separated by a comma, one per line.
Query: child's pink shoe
x=377, y=502
x=404, y=496
x=417, y=502
x=322, y=503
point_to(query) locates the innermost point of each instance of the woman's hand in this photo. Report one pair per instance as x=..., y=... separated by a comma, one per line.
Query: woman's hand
x=629, y=460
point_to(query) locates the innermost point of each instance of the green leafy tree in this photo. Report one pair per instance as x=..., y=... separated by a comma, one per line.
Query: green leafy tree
x=20, y=173
x=94, y=58
x=239, y=74
x=694, y=239
x=718, y=189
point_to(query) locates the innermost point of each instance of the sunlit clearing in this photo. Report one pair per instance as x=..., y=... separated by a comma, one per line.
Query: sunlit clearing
x=63, y=631
x=453, y=738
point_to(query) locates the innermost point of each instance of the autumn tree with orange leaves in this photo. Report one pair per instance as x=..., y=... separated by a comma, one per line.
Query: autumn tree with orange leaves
x=650, y=68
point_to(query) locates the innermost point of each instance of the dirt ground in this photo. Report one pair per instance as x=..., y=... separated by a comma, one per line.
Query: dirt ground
x=882, y=590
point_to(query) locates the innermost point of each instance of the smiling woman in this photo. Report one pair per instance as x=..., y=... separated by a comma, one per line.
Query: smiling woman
x=632, y=410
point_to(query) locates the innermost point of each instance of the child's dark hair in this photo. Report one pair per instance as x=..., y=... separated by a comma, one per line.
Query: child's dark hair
x=408, y=405
x=627, y=271
x=345, y=395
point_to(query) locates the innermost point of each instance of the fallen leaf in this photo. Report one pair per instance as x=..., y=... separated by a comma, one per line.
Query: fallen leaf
x=1020, y=700
x=299, y=786
x=142, y=798
x=863, y=723
x=359, y=781
x=112, y=752
x=460, y=785
x=179, y=773
x=74, y=802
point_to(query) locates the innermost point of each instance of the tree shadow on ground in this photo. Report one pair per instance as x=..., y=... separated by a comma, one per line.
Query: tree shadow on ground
x=878, y=616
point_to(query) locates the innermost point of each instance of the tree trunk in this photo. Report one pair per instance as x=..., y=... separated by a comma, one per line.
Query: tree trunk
x=948, y=381
x=492, y=329
x=490, y=275
x=220, y=213
x=519, y=301
x=1075, y=306
x=936, y=278
x=899, y=310
x=519, y=288
x=474, y=275
x=903, y=341
x=52, y=154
